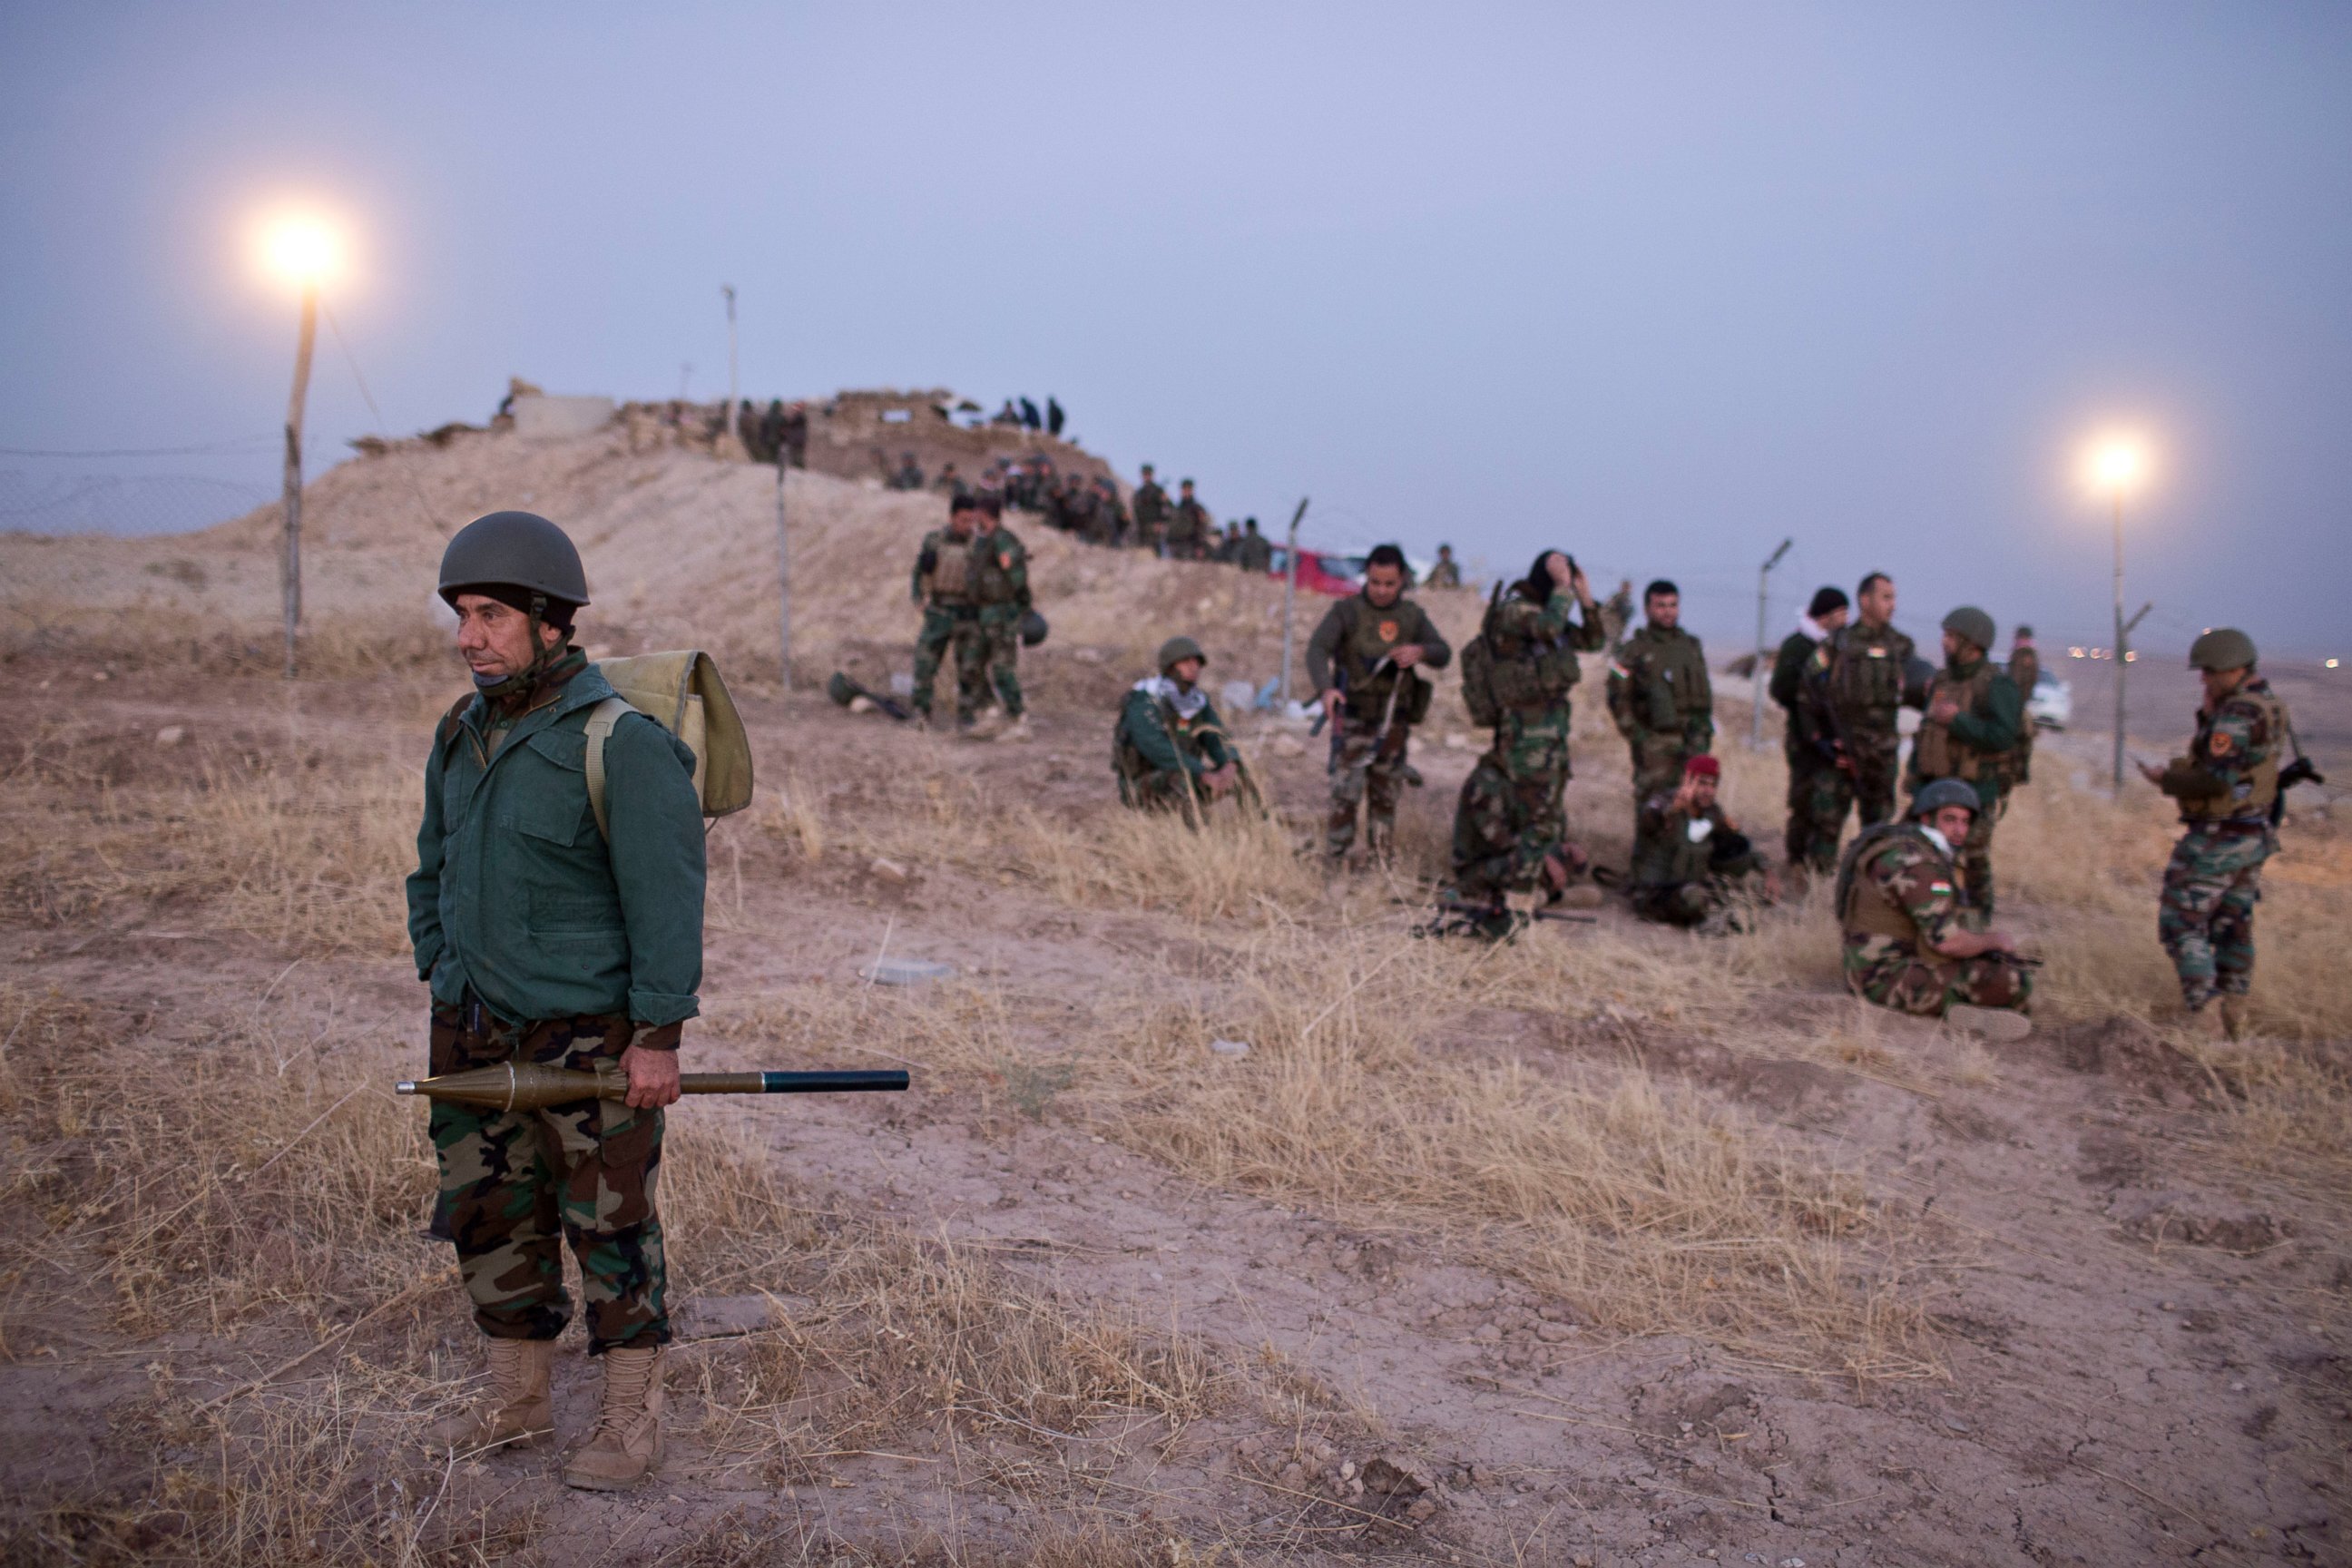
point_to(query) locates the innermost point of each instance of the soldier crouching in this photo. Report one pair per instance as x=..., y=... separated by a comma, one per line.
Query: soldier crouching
x=1171, y=751
x=550, y=937
x=1690, y=858
x=1899, y=903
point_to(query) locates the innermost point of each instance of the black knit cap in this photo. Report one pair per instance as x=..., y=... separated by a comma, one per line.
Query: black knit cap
x=1825, y=600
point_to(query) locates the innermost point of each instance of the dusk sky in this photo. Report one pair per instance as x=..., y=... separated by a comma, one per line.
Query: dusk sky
x=1659, y=284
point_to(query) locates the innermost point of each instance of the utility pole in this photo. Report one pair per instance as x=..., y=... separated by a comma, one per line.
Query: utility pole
x=1763, y=669
x=783, y=577
x=290, y=566
x=1290, y=597
x=728, y=289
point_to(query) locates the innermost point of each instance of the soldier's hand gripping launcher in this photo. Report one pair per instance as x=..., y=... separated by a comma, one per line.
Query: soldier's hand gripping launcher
x=528, y=1086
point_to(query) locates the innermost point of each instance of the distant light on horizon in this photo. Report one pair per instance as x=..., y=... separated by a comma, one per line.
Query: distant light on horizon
x=301, y=249
x=2331, y=664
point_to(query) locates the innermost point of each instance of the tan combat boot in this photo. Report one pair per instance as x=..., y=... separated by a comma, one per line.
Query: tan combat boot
x=1017, y=731
x=628, y=1441
x=2234, y=1014
x=515, y=1410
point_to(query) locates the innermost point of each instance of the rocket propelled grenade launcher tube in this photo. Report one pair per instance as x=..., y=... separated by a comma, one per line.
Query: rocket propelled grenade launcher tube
x=527, y=1086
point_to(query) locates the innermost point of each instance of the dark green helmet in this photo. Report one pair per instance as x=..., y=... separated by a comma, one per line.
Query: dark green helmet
x=1971, y=622
x=1937, y=793
x=1176, y=648
x=841, y=689
x=515, y=550
x=1032, y=629
x=2222, y=648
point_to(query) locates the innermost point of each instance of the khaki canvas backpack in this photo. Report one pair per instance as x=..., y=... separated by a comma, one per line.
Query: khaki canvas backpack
x=682, y=692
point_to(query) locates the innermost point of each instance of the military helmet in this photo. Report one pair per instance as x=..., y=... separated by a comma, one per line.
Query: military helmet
x=2222, y=648
x=1937, y=793
x=1176, y=648
x=513, y=549
x=1032, y=629
x=1971, y=622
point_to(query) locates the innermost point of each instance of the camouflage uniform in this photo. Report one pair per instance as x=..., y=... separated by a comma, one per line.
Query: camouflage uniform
x=2226, y=786
x=1510, y=815
x=1159, y=750
x=1189, y=530
x=1979, y=747
x=1663, y=704
x=1686, y=866
x=1366, y=771
x=1820, y=791
x=1255, y=552
x=973, y=595
x=517, y=1184
x=1445, y=574
x=1150, y=514
x=1898, y=895
x=1858, y=678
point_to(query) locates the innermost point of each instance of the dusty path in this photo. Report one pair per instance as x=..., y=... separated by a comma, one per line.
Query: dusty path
x=2139, y=1343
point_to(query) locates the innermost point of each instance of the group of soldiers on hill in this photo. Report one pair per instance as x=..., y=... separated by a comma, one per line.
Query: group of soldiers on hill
x=778, y=435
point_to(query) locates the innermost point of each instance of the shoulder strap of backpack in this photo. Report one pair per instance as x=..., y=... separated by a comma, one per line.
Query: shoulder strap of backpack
x=600, y=719
x=447, y=727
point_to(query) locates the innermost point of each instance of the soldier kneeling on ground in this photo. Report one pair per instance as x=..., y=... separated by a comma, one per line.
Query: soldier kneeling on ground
x=1899, y=903
x=1171, y=751
x=1691, y=858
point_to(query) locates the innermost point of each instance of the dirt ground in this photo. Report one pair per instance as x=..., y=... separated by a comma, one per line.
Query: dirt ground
x=2121, y=1342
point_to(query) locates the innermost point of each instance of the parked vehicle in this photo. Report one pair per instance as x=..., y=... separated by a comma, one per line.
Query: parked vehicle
x=2051, y=705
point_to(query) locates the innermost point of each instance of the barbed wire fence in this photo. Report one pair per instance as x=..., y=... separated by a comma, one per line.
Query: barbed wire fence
x=37, y=498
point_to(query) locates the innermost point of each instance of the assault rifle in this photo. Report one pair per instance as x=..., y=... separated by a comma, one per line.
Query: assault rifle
x=1461, y=916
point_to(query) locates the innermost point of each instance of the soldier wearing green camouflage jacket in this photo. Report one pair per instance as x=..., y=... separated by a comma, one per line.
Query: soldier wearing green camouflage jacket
x=971, y=578
x=1899, y=906
x=548, y=936
x=2228, y=786
x=1171, y=750
x=1972, y=730
x=1365, y=657
x=1857, y=684
x=1689, y=857
x=1660, y=695
x=1516, y=677
x=1150, y=512
x=1820, y=789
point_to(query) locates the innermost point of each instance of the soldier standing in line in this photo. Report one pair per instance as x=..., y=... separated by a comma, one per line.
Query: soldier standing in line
x=1189, y=527
x=945, y=586
x=1899, y=907
x=2024, y=662
x=1170, y=749
x=2228, y=786
x=1229, y=545
x=1445, y=573
x=549, y=935
x=1660, y=695
x=1363, y=659
x=1255, y=553
x=1510, y=831
x=951, y=481
x=1053, y=415
x=909, y=475
x=1971, y=732
x=1116, y=522
x=1151, y=509
x=1818, y=791
x=1689, y=857
x=1860, y=676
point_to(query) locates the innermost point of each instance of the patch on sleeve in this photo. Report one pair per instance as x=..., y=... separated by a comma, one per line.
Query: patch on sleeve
x=2222, y=744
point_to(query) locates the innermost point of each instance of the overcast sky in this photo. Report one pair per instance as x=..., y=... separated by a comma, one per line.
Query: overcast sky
x=1656, y=283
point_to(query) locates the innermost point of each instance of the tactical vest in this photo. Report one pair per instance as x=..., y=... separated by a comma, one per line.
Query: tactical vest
x=1865, y=675
x=1371, y=636
x=1862, y=905
x=1506, y=668
x=1126, y=758
x=950, y=582
x=991, y=578
x=1673, y=689
x=2256, y=806
x=1940, y=753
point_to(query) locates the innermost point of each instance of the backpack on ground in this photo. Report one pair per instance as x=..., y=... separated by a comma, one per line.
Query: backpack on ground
x=682, y=692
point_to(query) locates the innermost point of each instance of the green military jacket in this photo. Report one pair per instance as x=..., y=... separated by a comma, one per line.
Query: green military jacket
x=1658, y=685
x=1155, y=735
x=519, y=897
x=1807, y=737
x=1255, y=553
x=1353, y=639
x=994, y=572
x=1673, y=844
x=1150, y=505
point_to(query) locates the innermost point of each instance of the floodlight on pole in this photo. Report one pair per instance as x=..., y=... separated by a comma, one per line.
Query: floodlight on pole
x=304, y=252
x=2114, y=465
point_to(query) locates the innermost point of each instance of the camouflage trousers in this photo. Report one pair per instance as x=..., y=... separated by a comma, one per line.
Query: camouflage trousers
x=1876, y=755
x=1364, y=775
x=1504, y=826
x=517, y=1184
x=994, y=654
x=1657, y=766
x=2206, y=921
x=945, y=631
x=1896, y=974
x=1819, y=795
